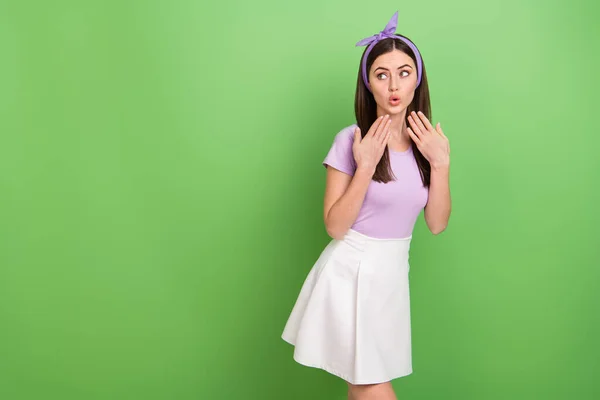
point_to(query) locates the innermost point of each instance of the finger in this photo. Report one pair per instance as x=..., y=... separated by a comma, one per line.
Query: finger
x=438, y=128
x=385, y=137
x=374, y=127
x=425, y=121
x=357, y=135
x=385, y=131
x=414, y=126
x=388, y=136
x=384, y=122
x=419, y=123
x=413, y=136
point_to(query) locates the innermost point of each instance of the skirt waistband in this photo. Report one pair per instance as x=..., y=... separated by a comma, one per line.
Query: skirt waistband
x=364, y=243
x=358, y=235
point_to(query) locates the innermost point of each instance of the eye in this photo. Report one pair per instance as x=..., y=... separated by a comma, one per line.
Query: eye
x=380, y=74
x=407, y=73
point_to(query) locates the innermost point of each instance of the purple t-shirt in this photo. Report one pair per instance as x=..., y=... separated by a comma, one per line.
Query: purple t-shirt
x=389, y=210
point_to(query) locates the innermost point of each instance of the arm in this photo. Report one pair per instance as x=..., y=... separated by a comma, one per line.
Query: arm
x=344, y=196
x=438, y=208
x=435, y=147
x=345, y=192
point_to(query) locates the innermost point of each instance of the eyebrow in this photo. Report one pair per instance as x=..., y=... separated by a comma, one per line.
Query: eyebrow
x=405, y=65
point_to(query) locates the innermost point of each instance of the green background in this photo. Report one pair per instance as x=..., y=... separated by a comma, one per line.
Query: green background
x=161, y=196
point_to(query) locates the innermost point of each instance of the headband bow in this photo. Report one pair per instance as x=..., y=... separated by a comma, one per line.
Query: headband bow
x=388, y=32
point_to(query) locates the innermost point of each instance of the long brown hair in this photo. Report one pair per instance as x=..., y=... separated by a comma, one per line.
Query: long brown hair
x=365, y=109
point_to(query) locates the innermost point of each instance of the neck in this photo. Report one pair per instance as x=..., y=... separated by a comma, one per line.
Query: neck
x=399, y=140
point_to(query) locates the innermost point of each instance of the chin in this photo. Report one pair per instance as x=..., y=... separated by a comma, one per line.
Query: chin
x=395, y=110
x=392, y=110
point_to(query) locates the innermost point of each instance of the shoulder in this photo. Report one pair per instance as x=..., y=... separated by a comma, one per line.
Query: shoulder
x=346, y=133
x=340, y=155
x=344, y=137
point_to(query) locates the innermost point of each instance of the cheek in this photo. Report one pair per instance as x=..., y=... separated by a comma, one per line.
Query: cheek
x=380, y=95
x=408, y=95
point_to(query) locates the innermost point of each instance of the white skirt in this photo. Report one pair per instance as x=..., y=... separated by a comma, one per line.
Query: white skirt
x=352, y=316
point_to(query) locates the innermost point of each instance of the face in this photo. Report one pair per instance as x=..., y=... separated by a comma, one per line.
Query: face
x=393, y=79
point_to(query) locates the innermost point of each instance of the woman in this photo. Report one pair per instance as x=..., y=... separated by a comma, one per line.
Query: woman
x=352, y=317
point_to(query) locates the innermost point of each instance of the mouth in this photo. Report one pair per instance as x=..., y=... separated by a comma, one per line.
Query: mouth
x=394, y=100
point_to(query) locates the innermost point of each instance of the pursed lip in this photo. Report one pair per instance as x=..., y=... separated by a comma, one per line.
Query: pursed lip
x=394, y=98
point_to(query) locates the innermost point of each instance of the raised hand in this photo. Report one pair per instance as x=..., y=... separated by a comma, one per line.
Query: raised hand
x=368, y=151
x=430, y=141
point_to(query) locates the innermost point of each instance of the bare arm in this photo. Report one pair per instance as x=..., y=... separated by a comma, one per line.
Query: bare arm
x=344, y=196
x=438, y=208
x=434, y=145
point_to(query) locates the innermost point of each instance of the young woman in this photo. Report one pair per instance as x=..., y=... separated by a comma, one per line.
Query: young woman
x=352, y=316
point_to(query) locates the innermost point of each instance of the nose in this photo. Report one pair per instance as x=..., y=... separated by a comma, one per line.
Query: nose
x=393, y=84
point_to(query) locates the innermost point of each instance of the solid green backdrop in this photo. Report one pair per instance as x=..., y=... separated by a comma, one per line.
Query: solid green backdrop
x=161, y=196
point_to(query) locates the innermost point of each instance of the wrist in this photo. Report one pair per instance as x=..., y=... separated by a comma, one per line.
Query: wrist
x=440, y=166
x=365, y=170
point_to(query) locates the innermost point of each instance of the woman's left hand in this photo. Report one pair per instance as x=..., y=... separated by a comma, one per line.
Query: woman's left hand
x=430, y=141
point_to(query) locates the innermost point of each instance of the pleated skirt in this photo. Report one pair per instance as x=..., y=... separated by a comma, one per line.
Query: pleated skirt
x=352, y=315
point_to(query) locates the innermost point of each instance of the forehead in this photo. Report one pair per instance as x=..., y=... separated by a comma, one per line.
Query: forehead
x=393, y=60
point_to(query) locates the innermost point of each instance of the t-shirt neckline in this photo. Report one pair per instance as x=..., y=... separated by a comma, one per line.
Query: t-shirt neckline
x=401, y=153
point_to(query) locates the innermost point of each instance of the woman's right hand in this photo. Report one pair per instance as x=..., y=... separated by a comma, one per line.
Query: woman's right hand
x=368, y=151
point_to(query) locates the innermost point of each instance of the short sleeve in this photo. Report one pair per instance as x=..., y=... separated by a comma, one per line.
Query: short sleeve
x=340, y=155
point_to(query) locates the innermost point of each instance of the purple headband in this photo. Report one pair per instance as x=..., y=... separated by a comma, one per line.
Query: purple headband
x=388, y=32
